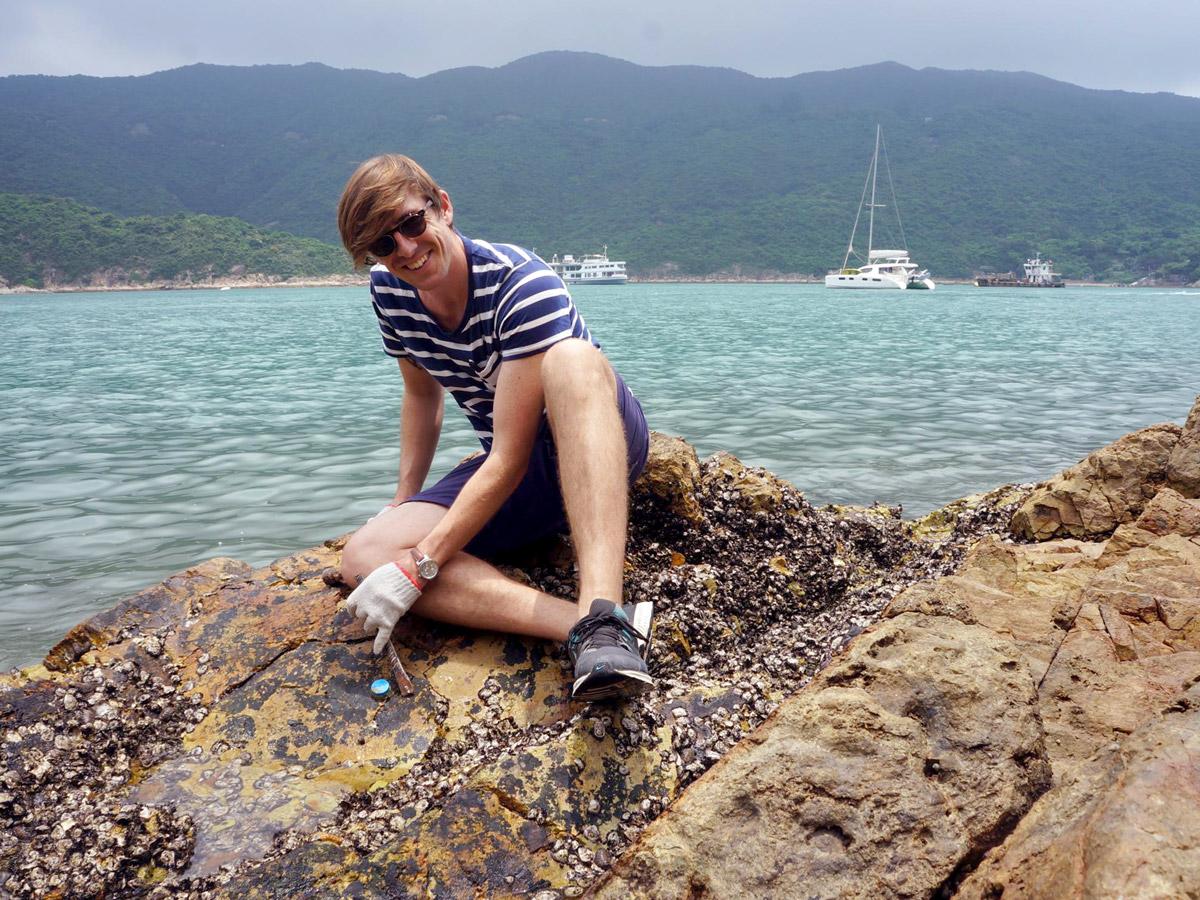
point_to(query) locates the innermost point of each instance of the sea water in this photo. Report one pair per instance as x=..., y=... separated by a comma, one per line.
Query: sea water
x=143, y=432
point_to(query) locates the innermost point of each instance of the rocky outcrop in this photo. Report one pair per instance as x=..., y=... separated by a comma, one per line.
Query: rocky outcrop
x=233, y=707
x=927, y=745
x=1126, y=825
x=847, y=705
x=1183, y=468
x=1113, y=485
x=911, y=752
x=1107, y=488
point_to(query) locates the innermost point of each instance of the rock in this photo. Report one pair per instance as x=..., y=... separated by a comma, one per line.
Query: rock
x=1029, y=594
x=227, y=709
x=1102, y=634
x=1133, y=646
x=906, y=757
x=1170, y=513
x=967, y=513
x=158, y=607
x=1126, y=825
x=760, y=490
x=1167, y=513
x=1183, y=469
x=1109, y=487
x=672, y=474
x=280, y=764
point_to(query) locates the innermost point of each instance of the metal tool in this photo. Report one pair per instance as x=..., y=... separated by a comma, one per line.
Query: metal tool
x=403, y=682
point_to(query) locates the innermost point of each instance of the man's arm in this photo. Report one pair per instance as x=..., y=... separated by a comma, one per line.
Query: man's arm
x=420, y=427
x=516, y=412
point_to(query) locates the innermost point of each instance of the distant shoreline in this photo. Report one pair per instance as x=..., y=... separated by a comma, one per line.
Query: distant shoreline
x=362, y=280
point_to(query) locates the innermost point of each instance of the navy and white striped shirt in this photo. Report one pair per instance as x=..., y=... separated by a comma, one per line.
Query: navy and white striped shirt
x=516, y=306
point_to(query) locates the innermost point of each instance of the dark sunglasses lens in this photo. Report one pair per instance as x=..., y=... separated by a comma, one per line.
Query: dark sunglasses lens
x=383, y=246
x=412, y=226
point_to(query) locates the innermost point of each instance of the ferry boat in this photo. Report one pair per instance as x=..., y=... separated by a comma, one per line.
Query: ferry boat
x=882, y=269
x=591, y=268
x=1039, y=273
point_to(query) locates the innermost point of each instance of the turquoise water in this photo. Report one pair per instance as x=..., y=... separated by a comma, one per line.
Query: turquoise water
x=143, y=432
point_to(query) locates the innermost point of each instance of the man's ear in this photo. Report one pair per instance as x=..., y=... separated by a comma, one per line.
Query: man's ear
x=447, y=208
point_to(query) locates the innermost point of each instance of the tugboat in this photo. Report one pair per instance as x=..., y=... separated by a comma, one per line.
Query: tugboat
x=1038, y=274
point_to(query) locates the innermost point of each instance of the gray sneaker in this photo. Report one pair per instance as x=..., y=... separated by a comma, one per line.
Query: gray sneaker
x=640, y=615
x=606, y=652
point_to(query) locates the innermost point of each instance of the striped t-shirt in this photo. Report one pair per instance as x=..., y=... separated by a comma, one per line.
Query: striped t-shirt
x=516, y=306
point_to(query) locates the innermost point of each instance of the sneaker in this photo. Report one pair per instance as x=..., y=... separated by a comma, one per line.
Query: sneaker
x=640, y=615
x=606, y=652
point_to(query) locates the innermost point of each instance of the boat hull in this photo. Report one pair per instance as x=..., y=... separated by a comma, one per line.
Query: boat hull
x=614, y=279
x=865, y=282
x=995, y=282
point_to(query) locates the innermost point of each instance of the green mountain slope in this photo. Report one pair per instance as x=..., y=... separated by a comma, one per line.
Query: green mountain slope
x=688, y=169
x=52, y=241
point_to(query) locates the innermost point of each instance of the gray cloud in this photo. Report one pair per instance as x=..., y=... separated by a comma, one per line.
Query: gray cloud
x=1144, y=47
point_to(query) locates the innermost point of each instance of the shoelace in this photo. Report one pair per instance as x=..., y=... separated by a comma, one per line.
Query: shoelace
x=598, y=630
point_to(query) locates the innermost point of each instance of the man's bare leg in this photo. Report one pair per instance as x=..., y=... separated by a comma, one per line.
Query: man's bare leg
x=580, y=391
x=581, y=401
x=467, y=591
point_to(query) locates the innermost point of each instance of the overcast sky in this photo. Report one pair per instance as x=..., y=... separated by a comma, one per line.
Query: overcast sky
x=1149, y=45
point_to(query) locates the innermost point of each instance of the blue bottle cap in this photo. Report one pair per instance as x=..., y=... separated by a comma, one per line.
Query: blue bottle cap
x=380, y=688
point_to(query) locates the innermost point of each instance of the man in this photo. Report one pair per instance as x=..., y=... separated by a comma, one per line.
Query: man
x=562, y=435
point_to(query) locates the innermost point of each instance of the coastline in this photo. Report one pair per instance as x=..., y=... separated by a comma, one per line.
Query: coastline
x=357, y=280
x=259, y=281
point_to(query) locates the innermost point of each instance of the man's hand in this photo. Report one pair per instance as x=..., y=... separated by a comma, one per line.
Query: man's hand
x=382, y=598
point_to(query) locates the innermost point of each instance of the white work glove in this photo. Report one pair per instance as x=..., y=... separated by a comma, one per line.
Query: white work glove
x=382, y=598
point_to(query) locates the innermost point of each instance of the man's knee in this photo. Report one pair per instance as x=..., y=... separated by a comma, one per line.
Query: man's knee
x=575, y=366
x=387, y=538
x=364, y=552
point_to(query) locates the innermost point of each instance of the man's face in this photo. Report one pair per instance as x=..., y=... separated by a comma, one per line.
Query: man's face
x=424, y=261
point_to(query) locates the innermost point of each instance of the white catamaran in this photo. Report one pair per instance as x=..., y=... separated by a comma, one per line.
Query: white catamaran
x=882, y=269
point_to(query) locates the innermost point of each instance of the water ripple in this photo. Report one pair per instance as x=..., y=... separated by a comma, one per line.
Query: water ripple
x=144, y=432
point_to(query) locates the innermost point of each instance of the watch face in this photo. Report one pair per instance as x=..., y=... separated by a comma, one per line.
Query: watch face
x=427, y=569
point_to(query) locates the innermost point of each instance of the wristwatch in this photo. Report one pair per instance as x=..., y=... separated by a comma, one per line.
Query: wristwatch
x=427, y=567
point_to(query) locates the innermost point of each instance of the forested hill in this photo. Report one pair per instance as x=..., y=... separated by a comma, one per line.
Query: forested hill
x=677, y=169
x=50, y=241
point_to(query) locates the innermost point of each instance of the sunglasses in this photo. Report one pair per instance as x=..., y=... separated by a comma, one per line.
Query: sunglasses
x=411, y=226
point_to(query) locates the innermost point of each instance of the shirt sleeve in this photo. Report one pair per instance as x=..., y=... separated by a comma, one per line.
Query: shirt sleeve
x=535, y=312
x=392, y=345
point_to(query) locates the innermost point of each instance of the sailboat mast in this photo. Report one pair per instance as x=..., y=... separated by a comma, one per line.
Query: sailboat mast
x=874, y=175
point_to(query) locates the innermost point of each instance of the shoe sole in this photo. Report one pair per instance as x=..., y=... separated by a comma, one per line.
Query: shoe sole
x=619, y=683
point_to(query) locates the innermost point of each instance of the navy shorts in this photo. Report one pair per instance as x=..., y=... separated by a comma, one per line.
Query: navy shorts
x=535, y=509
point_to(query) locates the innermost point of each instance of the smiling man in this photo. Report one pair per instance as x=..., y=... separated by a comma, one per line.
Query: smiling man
x=562, y=435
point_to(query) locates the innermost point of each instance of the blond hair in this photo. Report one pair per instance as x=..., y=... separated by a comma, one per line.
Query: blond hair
x=373, y=196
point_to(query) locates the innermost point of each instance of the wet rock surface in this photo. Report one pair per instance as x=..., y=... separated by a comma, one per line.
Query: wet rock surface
x=247, y=758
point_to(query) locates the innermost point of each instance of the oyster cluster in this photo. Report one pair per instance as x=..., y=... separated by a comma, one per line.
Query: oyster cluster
x=68, y=749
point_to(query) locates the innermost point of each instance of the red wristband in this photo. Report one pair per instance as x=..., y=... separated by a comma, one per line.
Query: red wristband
x=406, y=575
